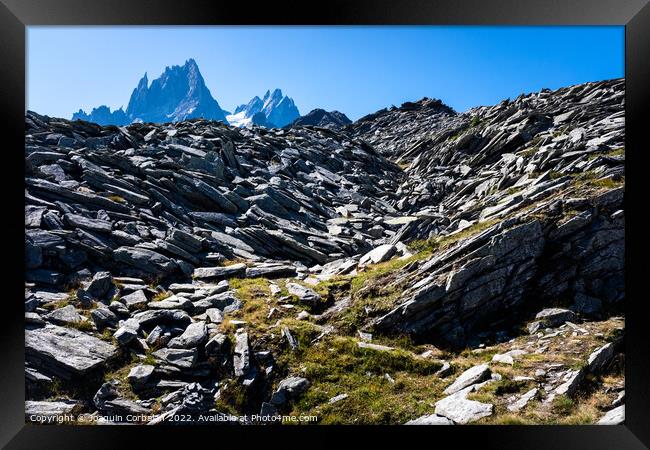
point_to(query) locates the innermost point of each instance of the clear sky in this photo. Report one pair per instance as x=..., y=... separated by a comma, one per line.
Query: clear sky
x=356, y=70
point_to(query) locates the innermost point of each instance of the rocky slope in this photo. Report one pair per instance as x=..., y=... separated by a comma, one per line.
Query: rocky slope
x=417, y=266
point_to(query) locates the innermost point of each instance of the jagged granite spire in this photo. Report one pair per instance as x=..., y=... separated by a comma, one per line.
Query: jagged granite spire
x=178, y=94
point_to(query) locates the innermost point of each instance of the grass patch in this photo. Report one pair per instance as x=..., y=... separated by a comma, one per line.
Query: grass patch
x=83, y=325
x=562, y=405
x=161, y=296
x=337, y=365
x=443, y=242
x=106, y=335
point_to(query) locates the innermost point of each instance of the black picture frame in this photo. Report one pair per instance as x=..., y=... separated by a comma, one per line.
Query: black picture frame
x=16, y=15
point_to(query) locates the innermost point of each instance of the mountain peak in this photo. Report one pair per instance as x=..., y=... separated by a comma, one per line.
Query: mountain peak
x=278, y=109
x=179, y=93
x=321, y=118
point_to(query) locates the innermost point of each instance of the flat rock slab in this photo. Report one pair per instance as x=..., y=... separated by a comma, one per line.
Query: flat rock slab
x=140, y=374
x=379, y=254
x=471, y=376
x=289, y=389
x=182, y=358
x=599, y=359
x=615, y=416
x=66, y=350
x=377, y=347
x=48, y=409
x=194, y=335
x=523, y=400
x=553, y=317
x=66, y=315
x=137, y=298
x=304, y=294
x=220, y=273
x=461, y=410
x=271, y=271
x=431, y=419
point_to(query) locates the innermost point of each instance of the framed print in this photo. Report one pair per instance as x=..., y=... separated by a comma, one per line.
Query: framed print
x=237, y=218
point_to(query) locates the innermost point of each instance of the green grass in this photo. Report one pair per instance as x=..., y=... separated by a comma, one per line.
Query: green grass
x=443, y=242
x=337, y=365
x=614, y=153
x=562, y=405
x=84, y=325
x=161, y=296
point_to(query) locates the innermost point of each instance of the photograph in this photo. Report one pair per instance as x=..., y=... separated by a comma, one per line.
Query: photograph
x=325, y=225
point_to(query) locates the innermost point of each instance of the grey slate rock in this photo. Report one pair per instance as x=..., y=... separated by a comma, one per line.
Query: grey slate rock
x=139, y=375
x=220, y=273
x=182, y=358
x=471, y=376
x=289, y=389
x=241, y=357
x=431, y=419
x=614, y=416
x=304, y=294
x=194, y=335
x=64, y=316
x=104, y=317
x=36, y=410
x=135, y=300
x=100, y=285
x=66, y=351
x=553, y=317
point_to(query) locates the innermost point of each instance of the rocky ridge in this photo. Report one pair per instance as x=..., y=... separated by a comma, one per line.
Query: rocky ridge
x=321, y=118
x=212, y=270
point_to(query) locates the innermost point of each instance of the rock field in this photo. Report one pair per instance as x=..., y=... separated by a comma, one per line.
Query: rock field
x=417, y=266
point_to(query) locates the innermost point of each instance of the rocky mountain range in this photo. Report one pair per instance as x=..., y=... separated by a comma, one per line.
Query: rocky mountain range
x=272, y=110
x=416, y=266
x=180, y=93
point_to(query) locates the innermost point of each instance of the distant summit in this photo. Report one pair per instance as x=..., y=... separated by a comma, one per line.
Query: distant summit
x=178, y=94
x=278, y=109
x=321, y=118
x=102, y=115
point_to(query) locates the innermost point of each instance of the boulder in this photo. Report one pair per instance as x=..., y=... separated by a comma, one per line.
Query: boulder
x=471, y=376
x=194, y=335
x=379, y=254
x=140, y=374
x=289, y=389
x=65, y=351
x=554, y=317
x=220, y=273
x=65, y=316
x=304, y=294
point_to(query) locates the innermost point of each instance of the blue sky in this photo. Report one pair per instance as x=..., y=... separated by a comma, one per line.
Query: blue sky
x=356, y=70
